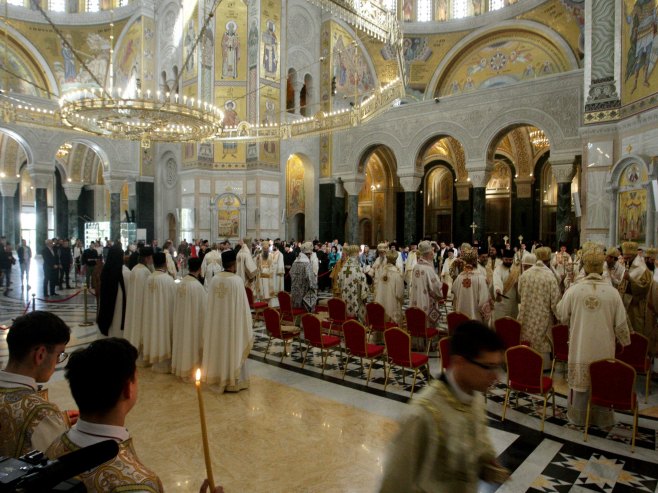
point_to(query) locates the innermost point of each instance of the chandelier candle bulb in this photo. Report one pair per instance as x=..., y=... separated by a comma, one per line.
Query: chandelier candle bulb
x=204, y=431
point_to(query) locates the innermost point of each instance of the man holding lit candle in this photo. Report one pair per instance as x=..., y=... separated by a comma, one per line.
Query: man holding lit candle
x=227, y=333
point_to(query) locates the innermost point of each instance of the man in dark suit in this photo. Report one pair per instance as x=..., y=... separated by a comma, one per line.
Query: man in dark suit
x=65, y=261
x=24, y=253
x=50, y=269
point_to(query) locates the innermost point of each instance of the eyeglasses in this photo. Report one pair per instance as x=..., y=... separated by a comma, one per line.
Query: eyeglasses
x=62, y=357
x=484, y=366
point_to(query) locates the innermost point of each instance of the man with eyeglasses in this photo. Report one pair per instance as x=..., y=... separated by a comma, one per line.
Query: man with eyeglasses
x=443, y=443
x=37, y=343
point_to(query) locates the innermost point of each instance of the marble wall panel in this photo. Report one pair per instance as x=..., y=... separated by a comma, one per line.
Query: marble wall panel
x=203, y=213
x=269, y=187
x=204, y=186
x=598, y=201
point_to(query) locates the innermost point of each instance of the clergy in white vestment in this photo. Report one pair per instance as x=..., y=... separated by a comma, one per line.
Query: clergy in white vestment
x=505, y=279
x=227, y=330
x=445, y=270
x=470, y=291
x=113, y=294
x=211, y=264
x=353, y=284
x=484, y=266
x=189, y=316
x=425, y=290
x=594, y=312
x=159, y=315
x=135, y=308
x=266, y=273
x=538, y=294
x=412, y=259
x=171, y=264
x=278, y=271
x=390, y=289
x=245, y=267
x=613, y=269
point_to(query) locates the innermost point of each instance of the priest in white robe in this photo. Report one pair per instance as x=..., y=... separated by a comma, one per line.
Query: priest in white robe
x=189, y=316
x=353, y=285
x=390, y=289
x=595, y=313
x=211, y=265
x=245, y=266
x=172, y=270
x=425, y=290
x=613, y=269
x=470, y=290
x=412, y=259
x=227, y=330
x=278, y=272
x=505, y=281
x=266, y=272
x=158, y=315
x=135, y=307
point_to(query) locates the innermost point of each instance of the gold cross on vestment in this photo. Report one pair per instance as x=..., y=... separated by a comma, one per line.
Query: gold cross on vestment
x=473, y=227
x=151, y=285
x=221, y=290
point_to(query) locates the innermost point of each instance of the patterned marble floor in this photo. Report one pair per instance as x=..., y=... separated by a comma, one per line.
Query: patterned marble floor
x=296, y=430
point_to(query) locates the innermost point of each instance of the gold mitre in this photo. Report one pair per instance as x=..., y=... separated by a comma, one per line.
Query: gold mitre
x=593, y=259
x=651, y=252
x=612, y=252
x=246, y=241
x=543, y=253
x=629, y=248
x=470, y=256
x=424, y=247
x=352, y=250
x=307, y=247
x=391, y=256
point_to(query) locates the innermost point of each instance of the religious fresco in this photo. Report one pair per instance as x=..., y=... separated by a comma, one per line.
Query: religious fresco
x=270, y=27
x=565, y=17
x=228, y=216
x=632, y=200
x=501, y=177
x=23, y=74
x=501, y=59
x=231, y=100
x=639, y=52
x=12, y=155
x=190, y=33
x=134, y=57
x=295, y=194
x=231, y=42
x=350, y=72
x=269, y=114
x=146, y=167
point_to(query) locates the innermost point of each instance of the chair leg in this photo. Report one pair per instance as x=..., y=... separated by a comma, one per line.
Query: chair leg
x=369, y=370
x=387, y=373
x=347, y=361
x=285, y=350
x=589, y=408
x=634, y=428
x=506, y=403
x=413, y=385
x=324, y=354
x=543, y=414
x=552, y=368
x=268, y=347
x=305, y=355
x=646, y=390
x=553, y=402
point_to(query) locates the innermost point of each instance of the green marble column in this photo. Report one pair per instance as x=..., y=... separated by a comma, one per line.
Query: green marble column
x=353, y=219
x=479, y=212
x=409, y=217
x=115, y=216
x=563, y=212
x=41, y=208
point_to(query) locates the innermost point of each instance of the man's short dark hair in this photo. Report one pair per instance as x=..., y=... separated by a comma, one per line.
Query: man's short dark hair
x=194, y=264
x=159, y=259
x=472, y=338
x=37, y=328
x=98, y=373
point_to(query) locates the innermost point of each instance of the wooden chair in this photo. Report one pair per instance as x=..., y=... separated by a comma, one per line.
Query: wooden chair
x=454, y=319
x=356, y=344
x=276, y=331
x=417, y=326
x=509, y=330
x=315, y=338
x=560, y=341
x=376, y=318
x=256, y=306
x=398, y=350
x=288, y=313
x=444, y=352
x=613, y=387
x=525, y=373
x=637, y=356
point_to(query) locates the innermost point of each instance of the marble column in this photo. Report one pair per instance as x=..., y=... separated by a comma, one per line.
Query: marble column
x=298, y=89
x=132, y=197
x=563, y=171
x=72, y=191
x=352, y=187
x=327, y=193
x=462, y=215
x=410, y=184
x=8, y=190
x=479, y=179
x=115, y=185
x=603, y=101
x=41, y=175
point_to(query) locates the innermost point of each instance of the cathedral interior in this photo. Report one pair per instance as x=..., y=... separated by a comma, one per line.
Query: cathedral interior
x=360, y=120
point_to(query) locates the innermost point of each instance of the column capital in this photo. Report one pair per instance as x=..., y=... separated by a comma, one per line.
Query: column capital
x=8, y=186
x=41, y=174
x=410, y=183
x=462, y=190
x=353, y=184
x=115, y=184
x=72, y=190
x=563, y=171
x=524, y=186
x=479, y=177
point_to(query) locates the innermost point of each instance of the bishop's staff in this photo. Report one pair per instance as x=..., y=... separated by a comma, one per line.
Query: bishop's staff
x=204, y=431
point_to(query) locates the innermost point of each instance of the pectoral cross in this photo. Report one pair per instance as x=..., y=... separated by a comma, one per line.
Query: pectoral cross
x=520, y=239
x=473, y=228
x=505, y=239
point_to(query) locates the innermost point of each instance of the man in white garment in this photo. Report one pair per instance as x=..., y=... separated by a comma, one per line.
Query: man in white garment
x=561, y=264
x=189, y=316
x=505, y=279
x=278, y=272
x=390, y=288
x=470, y=291
x=412, y=259
x=445, y=270
x=135, y=308
x=245, y=266
x=171, y=263
x=539, y=295
x=211, y=264
x=595, y=314
x=353, y=285
x=227, y=330
x=484, y=267
x=266, y=273
x=159, y=315
x=613, y=269
x=425, y=290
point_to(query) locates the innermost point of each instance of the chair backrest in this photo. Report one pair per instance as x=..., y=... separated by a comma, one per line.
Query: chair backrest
x=454, y=320
x=355, y=337
x=312, y=329
x=250, y=296
x=272, y=321
x=337, y=309
x=285, y=302
x=444, y=352
x=509, y=331
x=416, y=321
x=560, y=334
x=375, y=315
x=613, y=383
x=398, y=346
x=444, y=290
x=636, y=354
x=525, y=369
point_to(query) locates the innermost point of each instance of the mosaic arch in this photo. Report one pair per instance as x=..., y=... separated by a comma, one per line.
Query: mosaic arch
x=502, y=58
x=12, y=155
x=24, y=74
x=447, y=149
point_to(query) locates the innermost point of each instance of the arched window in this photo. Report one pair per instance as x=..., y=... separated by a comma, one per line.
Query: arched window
x=459, y=9
x=424, y=11
x=290, y=91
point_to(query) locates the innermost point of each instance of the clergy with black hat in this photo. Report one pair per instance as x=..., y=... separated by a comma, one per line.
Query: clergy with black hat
x=135, y=308
x=505, y=280
x=113, y=294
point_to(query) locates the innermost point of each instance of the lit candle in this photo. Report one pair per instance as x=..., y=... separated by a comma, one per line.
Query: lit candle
x=204, y=431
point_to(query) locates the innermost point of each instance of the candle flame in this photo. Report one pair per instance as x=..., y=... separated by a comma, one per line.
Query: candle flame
x=198, y=374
